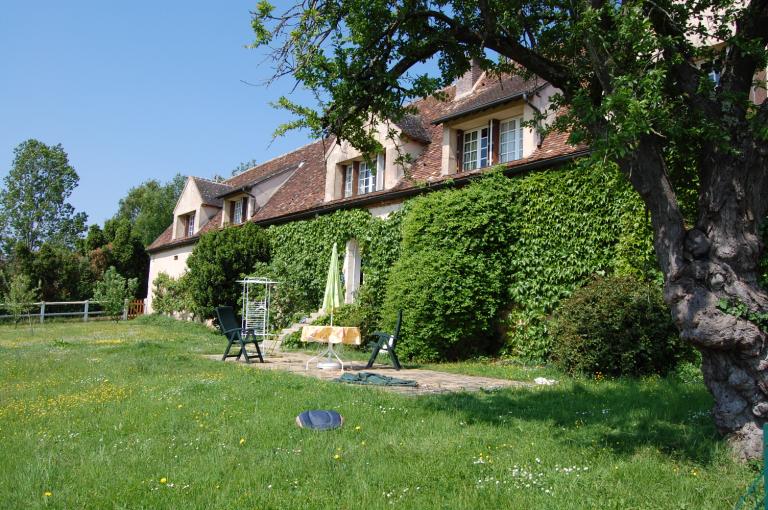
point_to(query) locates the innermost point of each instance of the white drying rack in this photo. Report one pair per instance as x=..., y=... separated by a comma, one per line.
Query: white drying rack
x=257, y=295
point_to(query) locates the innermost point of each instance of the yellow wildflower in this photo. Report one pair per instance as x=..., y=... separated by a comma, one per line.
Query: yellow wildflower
x=163, y=480
x=242, y=441
x=47, y=494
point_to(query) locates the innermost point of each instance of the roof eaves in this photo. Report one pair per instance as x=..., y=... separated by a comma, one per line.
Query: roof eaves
x=485, y=106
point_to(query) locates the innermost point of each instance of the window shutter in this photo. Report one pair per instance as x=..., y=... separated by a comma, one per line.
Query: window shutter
x=245, y=209
x=495, y=129
x=232, y=212
x=355, y=177
x=459, y=149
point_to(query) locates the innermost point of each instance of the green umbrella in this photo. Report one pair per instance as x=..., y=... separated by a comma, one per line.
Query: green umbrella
x=332, y=296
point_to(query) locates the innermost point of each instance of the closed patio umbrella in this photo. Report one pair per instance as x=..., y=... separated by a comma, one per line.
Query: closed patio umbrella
x=332, y=296
x=331, y=301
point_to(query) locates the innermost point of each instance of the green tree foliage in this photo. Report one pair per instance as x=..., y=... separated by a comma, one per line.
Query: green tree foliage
x=33, y=200
x=149, y=207
x=171, y=295
x=20, y=296
x=113, y=291
x=617, y=326
x=219, y=259
x=451, y=277
x=118, y=245
x=61, y=274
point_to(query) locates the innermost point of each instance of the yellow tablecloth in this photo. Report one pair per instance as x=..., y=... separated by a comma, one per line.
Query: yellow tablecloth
x=331, y=335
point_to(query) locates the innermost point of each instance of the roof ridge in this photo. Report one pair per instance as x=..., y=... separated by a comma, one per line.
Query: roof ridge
x=297, y=149
x=209, y=180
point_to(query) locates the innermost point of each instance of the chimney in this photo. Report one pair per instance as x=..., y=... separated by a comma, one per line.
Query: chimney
x=467, y=81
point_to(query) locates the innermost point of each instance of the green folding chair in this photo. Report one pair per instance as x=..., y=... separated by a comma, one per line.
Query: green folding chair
x=235, y=333
x=387, y=343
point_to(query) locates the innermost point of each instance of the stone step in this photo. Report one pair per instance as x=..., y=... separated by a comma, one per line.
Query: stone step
x=293, y=328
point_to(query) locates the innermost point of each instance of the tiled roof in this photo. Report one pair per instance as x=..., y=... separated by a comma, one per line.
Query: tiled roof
x=412, y=126
x=263, y=176
x=490, y=92
x=303, y=192
x=211, y=191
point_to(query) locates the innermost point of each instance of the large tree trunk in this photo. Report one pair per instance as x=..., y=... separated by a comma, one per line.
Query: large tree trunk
x=715, y=262
x=733, y=349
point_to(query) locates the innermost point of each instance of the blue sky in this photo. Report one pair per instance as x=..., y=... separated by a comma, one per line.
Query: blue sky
x=136, y=90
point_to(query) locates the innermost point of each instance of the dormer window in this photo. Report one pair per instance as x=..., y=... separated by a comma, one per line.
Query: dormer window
x=510, y=140
x=190, y=224
x=366, y=180
x=475, y=149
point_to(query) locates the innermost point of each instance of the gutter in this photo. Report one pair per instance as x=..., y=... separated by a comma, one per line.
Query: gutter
x=457, y=180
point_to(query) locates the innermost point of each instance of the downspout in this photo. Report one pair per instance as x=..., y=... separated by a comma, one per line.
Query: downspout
x=539, y=136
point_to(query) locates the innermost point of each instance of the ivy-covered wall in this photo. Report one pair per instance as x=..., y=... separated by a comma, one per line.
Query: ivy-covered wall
x=477, y=269
x=301, y=252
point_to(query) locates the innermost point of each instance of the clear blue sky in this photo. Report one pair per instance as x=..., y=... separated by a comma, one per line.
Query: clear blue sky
x=136, y=90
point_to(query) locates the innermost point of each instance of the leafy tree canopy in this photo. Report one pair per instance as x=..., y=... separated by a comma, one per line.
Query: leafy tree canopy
x=33, y=201
x=149, y=206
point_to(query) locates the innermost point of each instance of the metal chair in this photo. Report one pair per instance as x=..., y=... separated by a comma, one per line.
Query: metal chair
x=235, y=333
x=387, y=343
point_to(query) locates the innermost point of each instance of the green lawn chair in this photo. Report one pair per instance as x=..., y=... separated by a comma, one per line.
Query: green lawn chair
x=387, y=343
x=234, y=333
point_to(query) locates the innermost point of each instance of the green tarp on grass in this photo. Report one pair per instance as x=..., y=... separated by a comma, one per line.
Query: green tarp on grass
x=375, y=380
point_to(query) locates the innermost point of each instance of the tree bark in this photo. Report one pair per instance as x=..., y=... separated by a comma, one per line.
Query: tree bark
x=716, y=260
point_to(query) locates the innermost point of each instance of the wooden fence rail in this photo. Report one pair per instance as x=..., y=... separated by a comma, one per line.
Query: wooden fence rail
x=130, y=310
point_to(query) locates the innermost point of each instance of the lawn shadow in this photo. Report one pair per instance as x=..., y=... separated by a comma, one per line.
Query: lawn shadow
x=623, y=417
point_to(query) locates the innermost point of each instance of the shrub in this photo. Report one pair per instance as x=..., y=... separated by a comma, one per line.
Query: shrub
x=171, y=295
x=20, y=297
x=113, y=291
x=451, y=277
x=219, y=259
x=363, y=314
x=617, y=326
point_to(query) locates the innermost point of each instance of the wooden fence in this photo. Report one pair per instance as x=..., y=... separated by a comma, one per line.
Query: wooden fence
x=86, y=309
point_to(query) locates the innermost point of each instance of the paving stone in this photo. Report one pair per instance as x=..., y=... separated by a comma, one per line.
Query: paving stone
x=430, y=381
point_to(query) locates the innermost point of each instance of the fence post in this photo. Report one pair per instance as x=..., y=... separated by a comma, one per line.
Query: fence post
x=85, y=311
x=42, y=312
x=125, y=310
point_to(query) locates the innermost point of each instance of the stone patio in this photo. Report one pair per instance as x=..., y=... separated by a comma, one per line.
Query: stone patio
x=429, y=381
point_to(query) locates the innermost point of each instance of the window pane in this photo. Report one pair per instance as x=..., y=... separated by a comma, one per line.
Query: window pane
x=348, y=180
x=191, y=224
x=510, y=140
x=470, y=150
x=238, y=212
x=365, y=181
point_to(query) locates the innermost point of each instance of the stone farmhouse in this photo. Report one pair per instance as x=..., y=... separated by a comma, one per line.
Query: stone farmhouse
x=449, y=142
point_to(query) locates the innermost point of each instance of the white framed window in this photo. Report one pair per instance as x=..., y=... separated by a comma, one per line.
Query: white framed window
x=510, y=140
x=366, y=181
x=190, y=224
x=238, y=212
x=348, y=173
x=475, y=149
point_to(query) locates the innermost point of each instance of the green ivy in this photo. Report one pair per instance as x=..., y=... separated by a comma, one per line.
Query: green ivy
x=301, y=252
x=570, y=224
x=742, y=311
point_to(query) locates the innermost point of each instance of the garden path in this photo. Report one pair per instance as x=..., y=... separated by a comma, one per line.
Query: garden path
x=430, y=381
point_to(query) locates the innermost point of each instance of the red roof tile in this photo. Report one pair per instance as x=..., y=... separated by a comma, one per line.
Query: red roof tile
x=304, y=190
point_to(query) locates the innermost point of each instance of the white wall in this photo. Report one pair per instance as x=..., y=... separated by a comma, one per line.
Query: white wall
x=172, y=262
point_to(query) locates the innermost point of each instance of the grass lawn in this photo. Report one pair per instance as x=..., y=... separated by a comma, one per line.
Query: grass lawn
x=104, y=415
